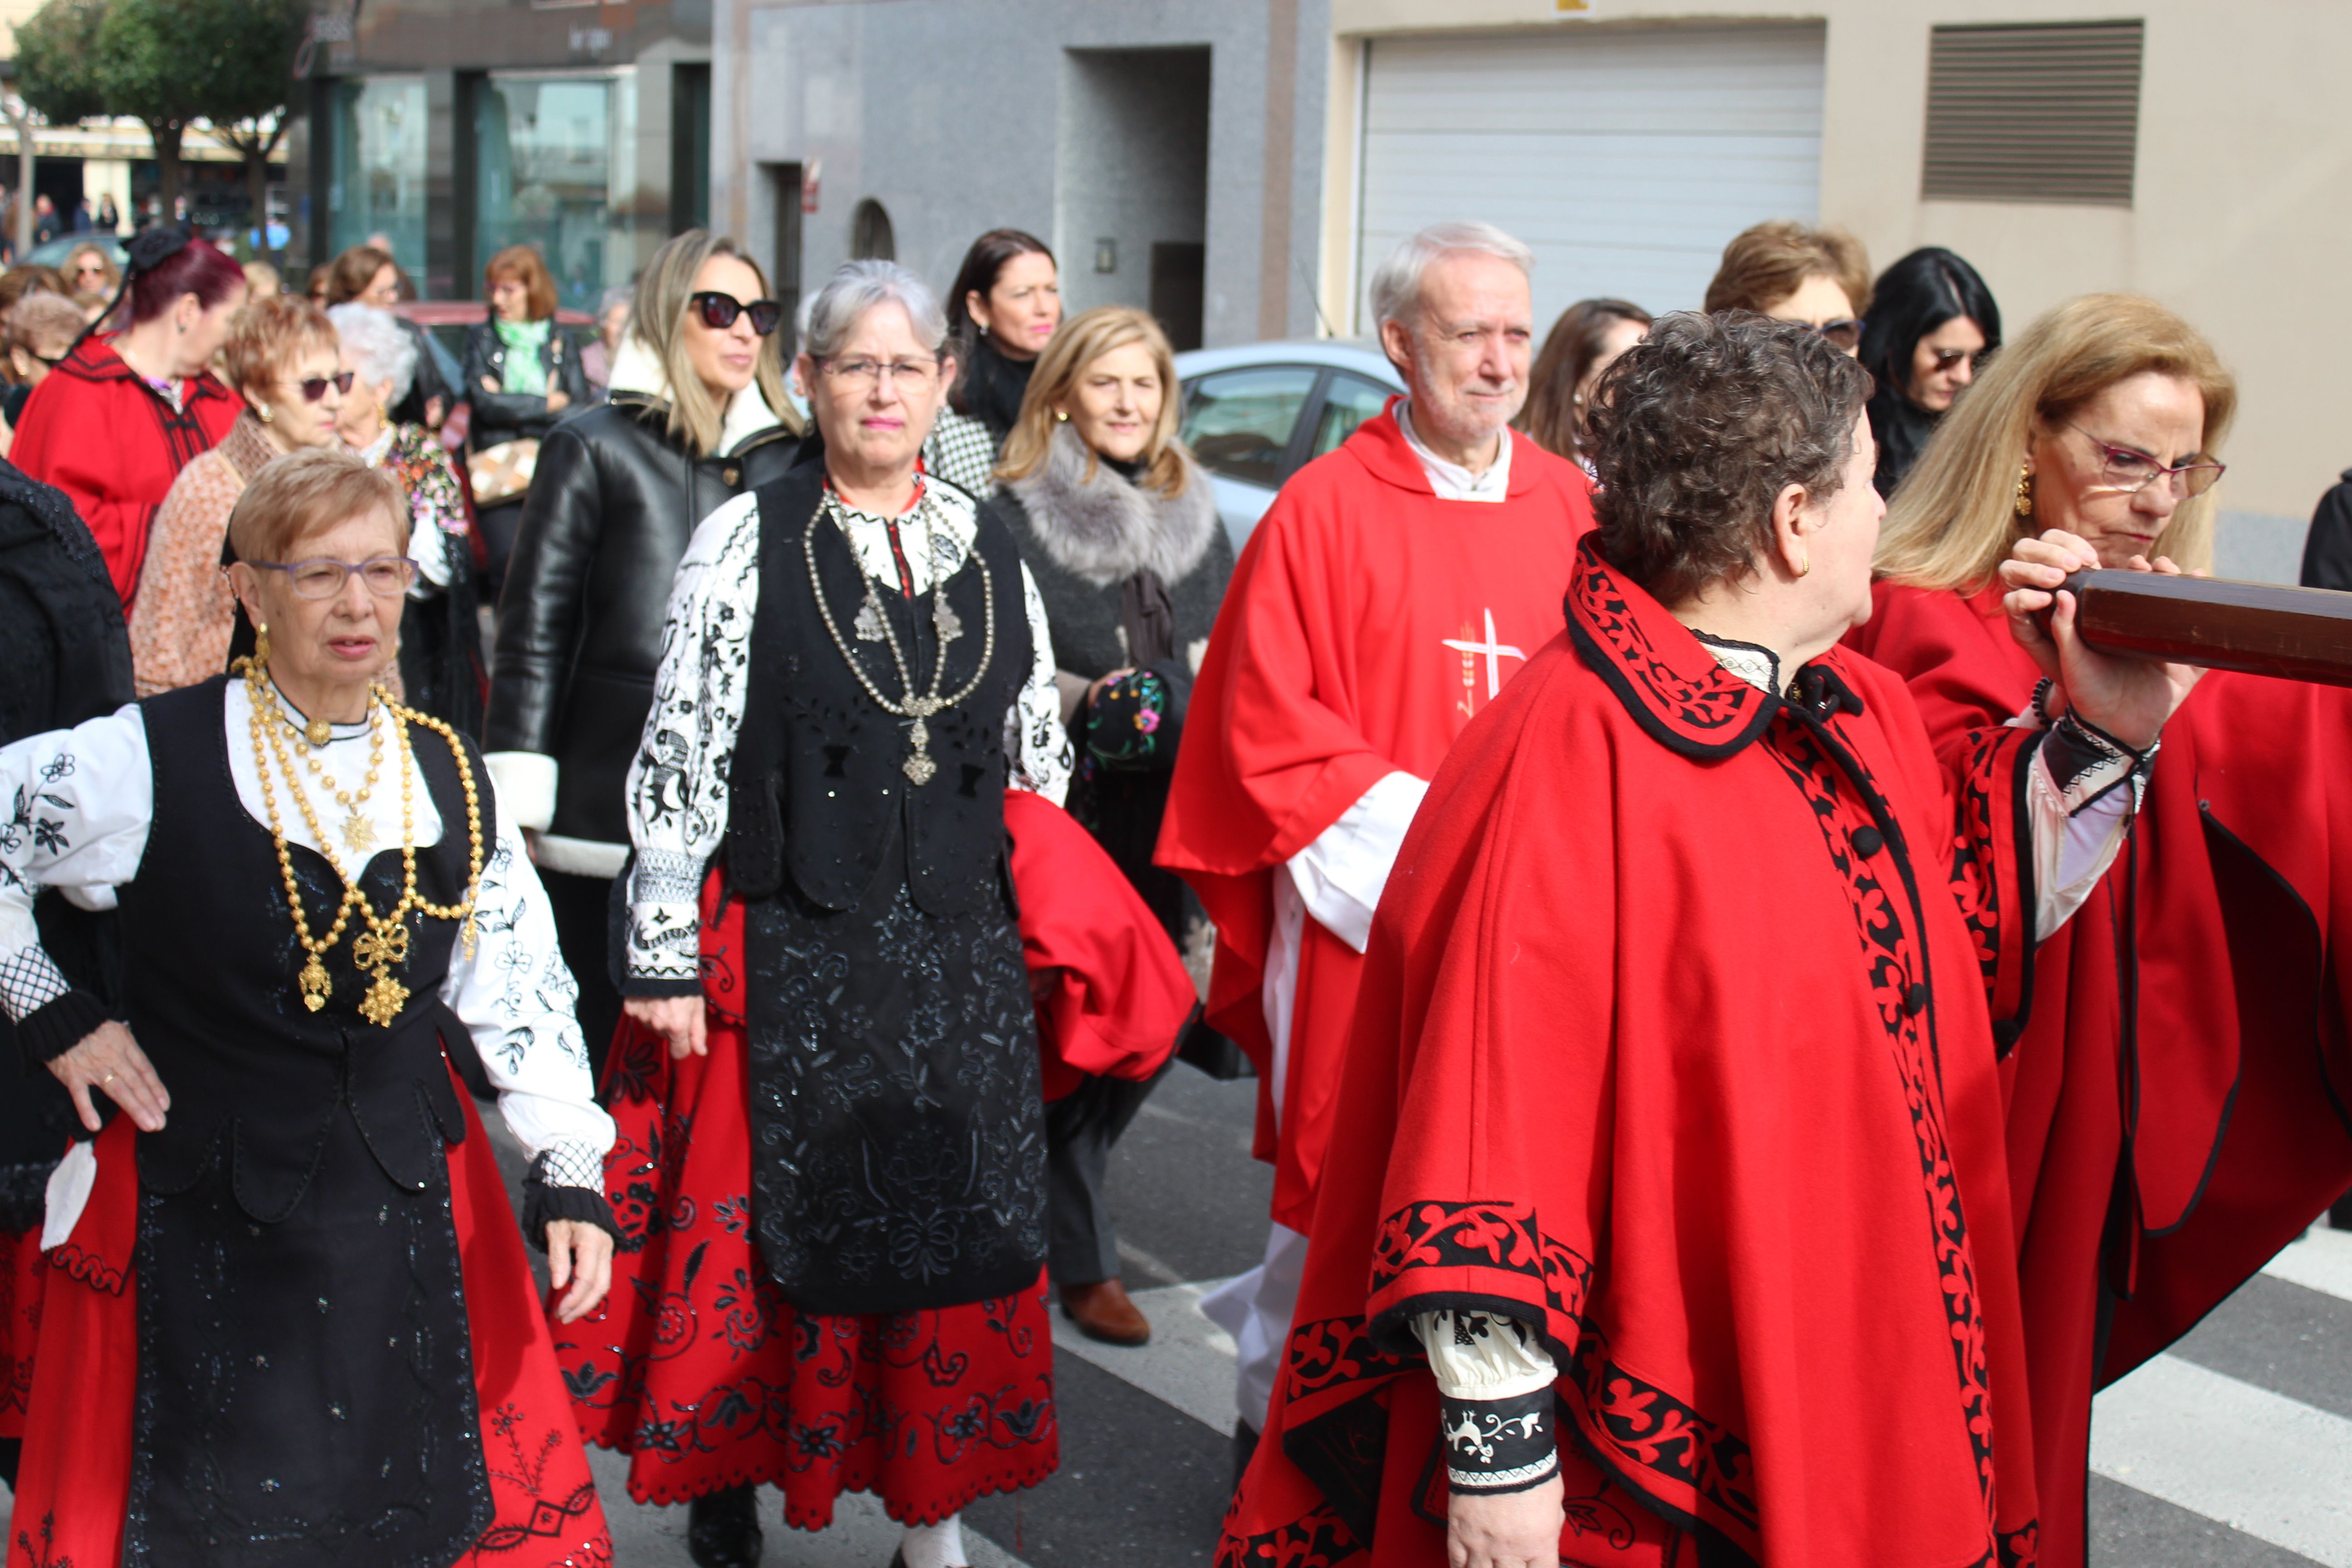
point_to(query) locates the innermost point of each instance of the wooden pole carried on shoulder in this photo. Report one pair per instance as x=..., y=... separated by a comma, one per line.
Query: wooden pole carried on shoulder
x=2261, y=628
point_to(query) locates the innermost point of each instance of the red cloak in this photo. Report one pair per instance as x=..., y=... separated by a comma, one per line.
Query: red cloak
x=2176, y=1073
x=1366, y=623
x=96, y=431
x=1673, y=1044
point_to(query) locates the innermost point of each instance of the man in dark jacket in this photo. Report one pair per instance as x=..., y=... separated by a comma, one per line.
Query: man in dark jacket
x=65, y=658
x=2328, y=548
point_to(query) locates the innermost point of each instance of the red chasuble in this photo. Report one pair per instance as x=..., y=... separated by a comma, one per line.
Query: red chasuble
x=1673, y=1044
x=1367, y=623
x=2176, y=1073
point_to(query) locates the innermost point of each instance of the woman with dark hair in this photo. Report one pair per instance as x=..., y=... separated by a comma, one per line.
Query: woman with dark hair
x=522, y=372
x=1002, y=310
x=367, y=275
x=1584, y=342
x=1932, y=323
x=126, y=411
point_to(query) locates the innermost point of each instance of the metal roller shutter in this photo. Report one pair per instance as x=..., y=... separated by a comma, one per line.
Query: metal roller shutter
x=1625, y=157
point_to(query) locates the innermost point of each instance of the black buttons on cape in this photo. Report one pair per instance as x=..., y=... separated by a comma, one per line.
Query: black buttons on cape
x=1867, y=841
x=1915, y=1001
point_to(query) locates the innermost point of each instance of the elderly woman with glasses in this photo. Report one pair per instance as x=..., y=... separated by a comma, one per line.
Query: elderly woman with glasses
x=441, y=667
x=289, y=1316
x=2176, y=1114
x=821, y=932
x=282, y=355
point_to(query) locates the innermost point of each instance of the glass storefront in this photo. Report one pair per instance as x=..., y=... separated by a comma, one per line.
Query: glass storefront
x=377, y=187
x=557, y=169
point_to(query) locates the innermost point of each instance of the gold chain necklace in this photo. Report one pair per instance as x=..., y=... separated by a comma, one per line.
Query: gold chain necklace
x=873, y=625
x=385, y=944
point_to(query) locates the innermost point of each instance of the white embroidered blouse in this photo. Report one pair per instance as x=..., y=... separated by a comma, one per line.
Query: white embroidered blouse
x=81, y=804
x=678, y=801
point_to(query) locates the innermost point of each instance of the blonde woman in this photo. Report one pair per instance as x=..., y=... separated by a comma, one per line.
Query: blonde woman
x=1118, y=527
x=698, y=415
x=2182, y=1003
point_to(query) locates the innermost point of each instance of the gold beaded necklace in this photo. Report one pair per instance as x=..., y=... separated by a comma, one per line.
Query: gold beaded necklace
x=385, y=944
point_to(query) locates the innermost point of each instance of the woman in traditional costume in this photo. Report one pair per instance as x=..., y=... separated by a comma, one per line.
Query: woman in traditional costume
x=289, y=1319
x=2176, y=1074
x=834, y=1283
x=1672, y=1120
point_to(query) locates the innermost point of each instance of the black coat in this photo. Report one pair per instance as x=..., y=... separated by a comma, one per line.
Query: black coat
x=2328, y=548
x=612, y=506
x=501, y=416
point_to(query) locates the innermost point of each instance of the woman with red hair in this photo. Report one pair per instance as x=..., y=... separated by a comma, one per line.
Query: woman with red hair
x=126, y=411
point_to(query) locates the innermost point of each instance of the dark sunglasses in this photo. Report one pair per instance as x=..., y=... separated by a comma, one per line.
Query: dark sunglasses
x=718, y=312
x=1947, y=358
x=1846, y=334
x=314, y=387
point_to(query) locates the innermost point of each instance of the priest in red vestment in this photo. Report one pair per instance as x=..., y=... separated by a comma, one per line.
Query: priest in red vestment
x=1664, y=1218
x=1393, y=589
x=2176, y=1073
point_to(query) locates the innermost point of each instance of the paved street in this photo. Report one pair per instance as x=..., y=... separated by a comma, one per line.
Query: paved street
x=2233, y=1451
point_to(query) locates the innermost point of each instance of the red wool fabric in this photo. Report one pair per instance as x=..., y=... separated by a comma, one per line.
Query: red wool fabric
x=697, y=1367
x=1112, y=995
x=96, y=431
x=1367, y=623
x=1673, y=1044
x=2176, y=1076
x=21, y=1281
x=76, y=1480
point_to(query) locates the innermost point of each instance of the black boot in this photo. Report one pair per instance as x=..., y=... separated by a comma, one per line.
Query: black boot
x=722, y=1529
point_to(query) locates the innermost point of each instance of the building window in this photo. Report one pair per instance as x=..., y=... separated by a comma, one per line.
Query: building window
x=871, y=238
x=377, y=187
x=2047, y=113
x=555, y=169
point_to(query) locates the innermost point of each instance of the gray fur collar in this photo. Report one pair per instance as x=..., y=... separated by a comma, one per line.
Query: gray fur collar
x=1103, y=528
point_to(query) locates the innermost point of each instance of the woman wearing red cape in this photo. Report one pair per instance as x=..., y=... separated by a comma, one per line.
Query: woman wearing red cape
x=2176, y=1073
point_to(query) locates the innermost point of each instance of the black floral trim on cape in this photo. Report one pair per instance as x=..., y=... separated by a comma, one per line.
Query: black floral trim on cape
x=1673, y=688
x=2003, y=936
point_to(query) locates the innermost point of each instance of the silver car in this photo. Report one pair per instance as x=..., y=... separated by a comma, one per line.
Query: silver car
x=1255, y=414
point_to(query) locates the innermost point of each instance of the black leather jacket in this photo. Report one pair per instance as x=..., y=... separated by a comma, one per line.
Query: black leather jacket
x=506, y=416
x=612, y=506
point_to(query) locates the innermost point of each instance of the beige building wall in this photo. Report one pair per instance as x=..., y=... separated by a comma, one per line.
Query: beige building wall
x=2243, y=208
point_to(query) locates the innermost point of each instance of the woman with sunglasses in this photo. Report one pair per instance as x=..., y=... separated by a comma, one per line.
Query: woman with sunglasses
x=1932, y=324
x=288, y=368
x=522, y=374
x=697, y=415
x=292, y=1317
x=2173, y=1112
x=90, y=276
x=1820, y=276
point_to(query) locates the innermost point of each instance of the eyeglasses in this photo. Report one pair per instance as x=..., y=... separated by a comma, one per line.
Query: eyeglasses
x=864, y=374
x=2124, y=469
x=386, y=577
x=718, y=312
x=314, y=387
x=1845, y=335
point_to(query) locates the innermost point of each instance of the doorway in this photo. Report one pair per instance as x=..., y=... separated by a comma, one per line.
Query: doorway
x=785, y=270
x=1131, y=213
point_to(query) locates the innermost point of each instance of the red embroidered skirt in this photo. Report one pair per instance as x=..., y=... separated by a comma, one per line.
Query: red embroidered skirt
x=20, y=1323
x=76, y=1479
x=698, y=1368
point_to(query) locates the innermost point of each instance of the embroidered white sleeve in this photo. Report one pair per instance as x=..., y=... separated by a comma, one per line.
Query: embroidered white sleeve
x=517, y=1000
x=1341, y=874
x=1035, y=739
x=74, y=806
x=1484, y=1355
x=678, y=785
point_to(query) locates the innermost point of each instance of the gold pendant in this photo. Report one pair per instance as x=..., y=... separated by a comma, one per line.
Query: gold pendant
x=359, y=832
x=318, y=731
x=918, y=765
x=376, y=950
x=314, y=984
x=384, y=1000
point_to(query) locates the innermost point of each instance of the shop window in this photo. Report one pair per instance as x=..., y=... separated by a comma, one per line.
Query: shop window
x=2046, y=112
x=376, y=188
x=555, y=165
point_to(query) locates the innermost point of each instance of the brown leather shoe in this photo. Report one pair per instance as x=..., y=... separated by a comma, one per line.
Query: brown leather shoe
x=1104, y=1311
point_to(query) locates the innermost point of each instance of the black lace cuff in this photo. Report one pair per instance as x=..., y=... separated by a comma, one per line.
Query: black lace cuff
x=542, y=1203
x=56, y=1026
x=1495, y=1446
x=657, y=985
x=2086, y=762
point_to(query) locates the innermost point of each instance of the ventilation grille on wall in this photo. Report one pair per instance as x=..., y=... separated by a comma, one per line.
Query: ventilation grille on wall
x=2035, y=114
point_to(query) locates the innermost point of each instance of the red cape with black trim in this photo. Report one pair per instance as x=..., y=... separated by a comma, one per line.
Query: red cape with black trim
x=1673, y=1044
x=2176, y=1101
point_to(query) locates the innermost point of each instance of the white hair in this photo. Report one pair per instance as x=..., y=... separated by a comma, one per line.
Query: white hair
x=1396, y=286
x=858, y=286
x=380, y=347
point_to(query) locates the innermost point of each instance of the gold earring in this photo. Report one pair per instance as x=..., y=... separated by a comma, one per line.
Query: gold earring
x=262, y=410
x=1804, y=564
x=261, y=644
x=2024, y=503
x=1060, y=417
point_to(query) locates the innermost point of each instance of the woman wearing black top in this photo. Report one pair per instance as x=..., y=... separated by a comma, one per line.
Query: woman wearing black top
x=1932, y=324
x=1003, y=311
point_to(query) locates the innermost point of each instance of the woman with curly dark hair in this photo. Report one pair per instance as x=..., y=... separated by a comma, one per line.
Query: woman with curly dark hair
x=1600, y=1158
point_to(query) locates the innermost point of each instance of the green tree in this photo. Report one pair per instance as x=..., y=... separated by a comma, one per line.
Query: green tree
x=55, y=76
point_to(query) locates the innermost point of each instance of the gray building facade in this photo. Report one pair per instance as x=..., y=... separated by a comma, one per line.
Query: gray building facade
x=1171, y=154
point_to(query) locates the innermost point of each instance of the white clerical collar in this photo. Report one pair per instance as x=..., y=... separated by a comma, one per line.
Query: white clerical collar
x=1452, y=481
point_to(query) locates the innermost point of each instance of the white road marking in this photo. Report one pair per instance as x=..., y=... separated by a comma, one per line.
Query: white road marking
x=2322, y=1260
x=1189, y=1363
x=2267, y=1466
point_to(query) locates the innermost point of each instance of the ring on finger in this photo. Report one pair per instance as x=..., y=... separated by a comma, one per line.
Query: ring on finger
x=107, y=1079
